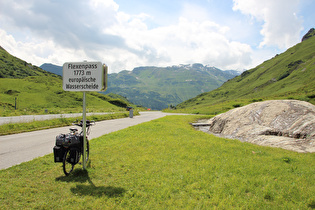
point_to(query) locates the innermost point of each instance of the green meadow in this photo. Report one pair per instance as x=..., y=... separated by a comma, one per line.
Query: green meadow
x=165, y=164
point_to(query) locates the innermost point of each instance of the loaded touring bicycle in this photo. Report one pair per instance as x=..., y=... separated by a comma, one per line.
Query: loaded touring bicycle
x=69, y=147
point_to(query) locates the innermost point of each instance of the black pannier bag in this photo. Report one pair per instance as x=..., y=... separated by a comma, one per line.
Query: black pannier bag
x=72, y=140
x=59, y=152
x=74, y=156
x=68, y=140
x=60, y=139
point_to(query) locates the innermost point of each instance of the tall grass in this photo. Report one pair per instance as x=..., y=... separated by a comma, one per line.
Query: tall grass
x=166, y=164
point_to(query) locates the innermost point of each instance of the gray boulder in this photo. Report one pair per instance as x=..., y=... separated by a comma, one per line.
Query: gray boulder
x=289, y=124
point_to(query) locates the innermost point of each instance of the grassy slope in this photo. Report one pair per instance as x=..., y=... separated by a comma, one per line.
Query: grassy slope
x=13, y=67
x=286, y=76
x=166, y=164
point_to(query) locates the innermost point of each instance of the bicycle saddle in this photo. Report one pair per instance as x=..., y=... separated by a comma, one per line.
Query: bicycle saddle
x=73, y=129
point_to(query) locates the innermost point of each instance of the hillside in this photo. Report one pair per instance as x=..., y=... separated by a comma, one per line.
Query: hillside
x=13, y=67
x=25, y=89
x=290, y=75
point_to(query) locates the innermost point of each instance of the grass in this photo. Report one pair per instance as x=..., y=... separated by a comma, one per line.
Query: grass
x=13, y=128
x=165, y=164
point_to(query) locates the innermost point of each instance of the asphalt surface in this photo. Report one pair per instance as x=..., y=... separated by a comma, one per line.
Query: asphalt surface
x=19, y=148
x=30, y=118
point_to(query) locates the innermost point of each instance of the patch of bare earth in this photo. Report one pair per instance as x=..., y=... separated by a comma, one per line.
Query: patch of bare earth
x=288, y=124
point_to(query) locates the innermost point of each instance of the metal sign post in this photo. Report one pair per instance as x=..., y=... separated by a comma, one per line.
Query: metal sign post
x=84, y=76
x=84, y=131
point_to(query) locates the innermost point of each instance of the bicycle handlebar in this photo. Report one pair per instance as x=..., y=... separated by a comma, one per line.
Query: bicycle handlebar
x=88, y=123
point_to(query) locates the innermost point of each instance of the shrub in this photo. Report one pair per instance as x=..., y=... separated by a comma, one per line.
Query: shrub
x=237, y=105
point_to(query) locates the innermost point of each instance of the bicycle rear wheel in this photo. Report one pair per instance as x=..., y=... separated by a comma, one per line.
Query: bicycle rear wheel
x=71, y=158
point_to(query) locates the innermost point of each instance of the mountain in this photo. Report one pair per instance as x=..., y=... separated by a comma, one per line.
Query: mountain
x=52, y=68
x=159, y=87
x=290, y=75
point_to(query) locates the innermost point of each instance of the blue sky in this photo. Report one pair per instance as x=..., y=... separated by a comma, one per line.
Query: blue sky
x=124, y=34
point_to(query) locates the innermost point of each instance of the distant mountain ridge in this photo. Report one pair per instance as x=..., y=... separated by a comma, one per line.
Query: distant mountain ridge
x=52, y=68
x=159, y=87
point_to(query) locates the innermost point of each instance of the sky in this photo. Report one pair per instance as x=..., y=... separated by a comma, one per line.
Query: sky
x=124, y=34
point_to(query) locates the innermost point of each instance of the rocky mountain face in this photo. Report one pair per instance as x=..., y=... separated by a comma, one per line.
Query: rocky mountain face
x=309, y=34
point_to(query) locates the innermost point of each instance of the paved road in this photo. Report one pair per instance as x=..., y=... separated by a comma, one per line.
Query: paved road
x=30, y=118
x=18, y=148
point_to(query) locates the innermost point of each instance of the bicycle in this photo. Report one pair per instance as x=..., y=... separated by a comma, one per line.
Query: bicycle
x=69, y=147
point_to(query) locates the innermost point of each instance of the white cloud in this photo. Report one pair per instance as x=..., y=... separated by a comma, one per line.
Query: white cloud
x=97, y=30
x=281, y=27
x=187, y=41
x=38, y=52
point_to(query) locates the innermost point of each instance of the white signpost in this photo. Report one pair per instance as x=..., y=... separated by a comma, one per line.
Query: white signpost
x=84, y=76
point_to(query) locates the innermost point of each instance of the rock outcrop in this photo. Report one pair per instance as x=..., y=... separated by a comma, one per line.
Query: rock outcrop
x=289, y=124
x=309, y=34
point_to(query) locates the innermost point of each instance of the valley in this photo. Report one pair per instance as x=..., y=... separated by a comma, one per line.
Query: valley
x=158, y=88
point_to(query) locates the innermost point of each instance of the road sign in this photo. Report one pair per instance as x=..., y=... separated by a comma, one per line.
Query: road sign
x=83, y=76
